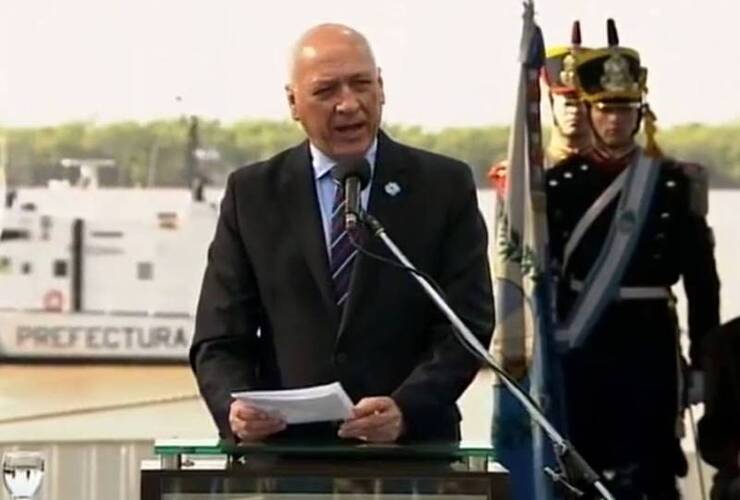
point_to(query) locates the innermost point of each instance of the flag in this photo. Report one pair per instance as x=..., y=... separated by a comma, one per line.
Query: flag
x=524, y=335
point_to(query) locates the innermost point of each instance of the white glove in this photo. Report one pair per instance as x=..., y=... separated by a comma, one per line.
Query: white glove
x=695, y=394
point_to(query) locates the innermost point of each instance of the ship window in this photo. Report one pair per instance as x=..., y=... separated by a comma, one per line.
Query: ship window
x=144, y=270
x=167, y=220
x=14, y=234
x=106, y=234
x=26, y=268
x=60, y=268
x=4, y=264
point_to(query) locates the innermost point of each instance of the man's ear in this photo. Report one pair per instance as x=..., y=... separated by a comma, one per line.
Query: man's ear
x=290, y=95
x=382, y=90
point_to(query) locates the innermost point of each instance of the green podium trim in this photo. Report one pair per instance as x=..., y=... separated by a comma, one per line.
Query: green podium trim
x=209, y=447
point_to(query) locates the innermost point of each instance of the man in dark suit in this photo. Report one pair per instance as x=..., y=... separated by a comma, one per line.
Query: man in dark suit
x=274, y=312
x=719, y=428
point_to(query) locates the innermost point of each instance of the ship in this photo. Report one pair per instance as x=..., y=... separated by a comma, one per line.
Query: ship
x=101, y=274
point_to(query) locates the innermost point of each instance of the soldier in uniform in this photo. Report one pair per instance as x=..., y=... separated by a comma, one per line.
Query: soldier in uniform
x=625, y=224
x=570, y=133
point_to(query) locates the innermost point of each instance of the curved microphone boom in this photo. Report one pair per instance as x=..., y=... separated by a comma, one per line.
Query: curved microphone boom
x=570, y=460
x=353, y=175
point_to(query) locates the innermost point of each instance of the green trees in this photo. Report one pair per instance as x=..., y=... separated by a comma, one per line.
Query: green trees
x=153, y=153
x=717, y=148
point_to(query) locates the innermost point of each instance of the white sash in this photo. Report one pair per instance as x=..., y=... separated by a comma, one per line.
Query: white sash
x=591, y=214
x=602, y=281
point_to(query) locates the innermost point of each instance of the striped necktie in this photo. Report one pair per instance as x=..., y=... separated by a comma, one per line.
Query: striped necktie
x=342, y=253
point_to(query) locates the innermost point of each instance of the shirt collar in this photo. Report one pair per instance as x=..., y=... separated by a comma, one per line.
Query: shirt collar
x=322, y=164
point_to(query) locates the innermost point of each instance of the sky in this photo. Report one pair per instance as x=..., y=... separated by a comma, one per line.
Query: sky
x=445, y=63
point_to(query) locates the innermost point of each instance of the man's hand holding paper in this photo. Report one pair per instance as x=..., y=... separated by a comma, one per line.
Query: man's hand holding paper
x=375, y=419
x=256, y=415
x=251, y=424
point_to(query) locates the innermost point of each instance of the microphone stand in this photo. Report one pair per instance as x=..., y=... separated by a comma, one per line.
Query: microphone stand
x=566, y=453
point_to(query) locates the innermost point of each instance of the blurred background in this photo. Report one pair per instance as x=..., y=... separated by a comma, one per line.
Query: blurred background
x=120, y=120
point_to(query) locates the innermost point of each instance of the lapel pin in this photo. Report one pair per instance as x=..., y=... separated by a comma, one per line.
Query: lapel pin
x=392, y=188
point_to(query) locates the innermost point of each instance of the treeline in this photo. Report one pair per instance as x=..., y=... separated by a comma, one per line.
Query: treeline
x=154, y=153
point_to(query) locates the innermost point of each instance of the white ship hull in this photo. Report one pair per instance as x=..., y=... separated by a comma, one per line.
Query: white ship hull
x=78, y=283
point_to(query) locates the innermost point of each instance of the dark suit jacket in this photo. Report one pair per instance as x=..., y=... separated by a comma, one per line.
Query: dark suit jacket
x=719, y=428
x=267, y=318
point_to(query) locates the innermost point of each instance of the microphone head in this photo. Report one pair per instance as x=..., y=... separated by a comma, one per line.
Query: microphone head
x=354, y=167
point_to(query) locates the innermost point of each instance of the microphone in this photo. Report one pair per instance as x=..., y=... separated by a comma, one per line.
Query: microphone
x=353, y=174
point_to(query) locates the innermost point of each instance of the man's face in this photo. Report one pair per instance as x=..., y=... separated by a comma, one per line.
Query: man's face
x=337, y=95
x=570, y=115
x=614, y=124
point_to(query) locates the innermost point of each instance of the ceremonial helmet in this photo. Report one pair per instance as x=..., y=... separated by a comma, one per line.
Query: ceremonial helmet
x=611, y=75
x=559, y=70
x=614, y=77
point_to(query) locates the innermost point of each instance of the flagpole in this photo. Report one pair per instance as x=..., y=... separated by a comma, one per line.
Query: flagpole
x=524, y=263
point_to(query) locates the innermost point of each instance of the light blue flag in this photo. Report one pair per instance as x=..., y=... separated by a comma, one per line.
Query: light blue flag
x=524, y=335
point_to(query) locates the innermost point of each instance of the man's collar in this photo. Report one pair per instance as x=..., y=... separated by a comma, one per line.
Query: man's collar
x=607, y=160
x=322, y=164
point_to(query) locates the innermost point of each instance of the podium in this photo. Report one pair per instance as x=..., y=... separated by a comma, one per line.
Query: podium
x=212, y=470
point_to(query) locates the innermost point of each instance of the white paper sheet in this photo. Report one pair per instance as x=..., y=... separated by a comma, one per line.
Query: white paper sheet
x=319, y=403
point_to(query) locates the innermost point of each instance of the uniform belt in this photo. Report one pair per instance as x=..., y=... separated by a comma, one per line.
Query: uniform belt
x=633, y=292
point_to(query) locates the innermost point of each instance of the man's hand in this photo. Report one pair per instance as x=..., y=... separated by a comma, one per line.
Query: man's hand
x=377, y=420
x=251, y=424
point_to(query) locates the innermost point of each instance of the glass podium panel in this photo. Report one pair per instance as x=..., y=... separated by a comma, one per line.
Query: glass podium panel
x=334, y=495
x=211, y=470
x=326, y=488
